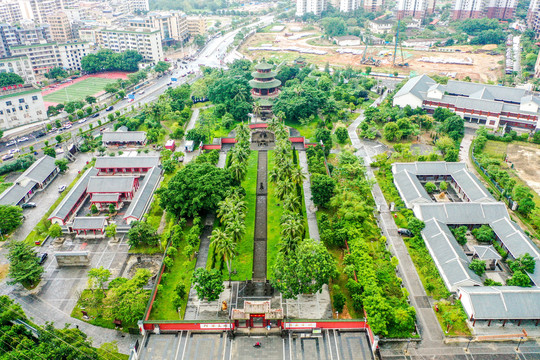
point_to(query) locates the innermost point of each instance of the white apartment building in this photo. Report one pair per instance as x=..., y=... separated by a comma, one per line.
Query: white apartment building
x=349, y=5
x=138, y=5
x=373, y=5
x=19, y=65
x=380, y=26
x=60, y=27
x=315, y=7
x=477, y=9
x=21, y=105
x=143, y=40
x=10, y=11
x=44, y=57
x=533, y=17
x=417, y=9
x=173, y=25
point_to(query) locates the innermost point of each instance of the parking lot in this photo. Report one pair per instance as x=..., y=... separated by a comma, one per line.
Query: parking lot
x=329, y=345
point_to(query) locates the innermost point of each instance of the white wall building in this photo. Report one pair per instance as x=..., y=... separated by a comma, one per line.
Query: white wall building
x=417, y=9
x=10, y=11
x=20, y=106
x=315, y=7
x=143, y=40
x=19, y=65
x=173, y=25
x=348, y=5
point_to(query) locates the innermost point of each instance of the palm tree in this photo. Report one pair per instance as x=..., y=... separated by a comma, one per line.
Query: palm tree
x=237, y=229
x=238, y=170
x=291, y=203
x=297, y=176
x=283, y=188
x=224, y=209
x=292, y=226
x=224, y=247
x=288, y=244
x=257, y=109
x=240, y=96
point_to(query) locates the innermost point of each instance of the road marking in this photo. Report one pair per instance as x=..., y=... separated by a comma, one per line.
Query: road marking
x=185, y=345
x=329, y=345
x=337, y=347
x=178, y=348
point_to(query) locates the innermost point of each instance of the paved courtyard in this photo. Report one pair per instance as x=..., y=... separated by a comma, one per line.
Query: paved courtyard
x=330, y=345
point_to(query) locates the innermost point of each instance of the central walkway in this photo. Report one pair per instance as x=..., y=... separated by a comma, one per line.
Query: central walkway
x=259, y=246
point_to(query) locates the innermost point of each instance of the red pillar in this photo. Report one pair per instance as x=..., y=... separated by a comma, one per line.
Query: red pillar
x=519, y=322
x=489, y=323
x=504, y=323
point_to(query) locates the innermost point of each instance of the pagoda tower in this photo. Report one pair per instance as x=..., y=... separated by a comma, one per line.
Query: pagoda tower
x=264, y=87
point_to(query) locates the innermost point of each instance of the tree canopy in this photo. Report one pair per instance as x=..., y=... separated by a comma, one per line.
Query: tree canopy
x=11, y=218
x=142, y=233
x=107, y=60
x=24, y=265
x=195, y=188
x=8, y=79
x=208, y=283
x=300, y=102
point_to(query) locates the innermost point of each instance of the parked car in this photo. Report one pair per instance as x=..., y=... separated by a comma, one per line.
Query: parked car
x=405, y=232
x=95, y=115
x=61, y=188
x=169, y=83
x=130, y=100
x=81, y=121
x=68, y=125
x=23, y=139
x=28, y=205
x=181, y=159
x=14, y=151
x=141, y=92
x=42, y=258
x=7, y=157
x=40, y=134
x=110, y=108
x=11, y=143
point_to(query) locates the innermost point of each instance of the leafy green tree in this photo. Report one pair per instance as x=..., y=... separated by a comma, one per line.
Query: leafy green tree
x=97, y=277
x=56, y=73
x=9, y=78
x=322, y=189
x=391, y=132
x=127, y=301
x=483, y=234
x=342, y=134
x=24, y=265
x=478, y=266
x=443, y=185
x=430, y=187
x=444, y=143
x=304, y=271
x=90, y=100
x=110, y=230
x=519, y=278
x=55, y=231
x=49, y=151
x=225, y=247
x=334, y=27
x=523, y=196
x=194, y=188
x=207, y=283
x=62, y=164
x=452, y=155
x=300, y=102
x=11, y=218
x=460, y=233
x=94, y=209
x=324, y=135
x=415, y=225
x=162, y=66
x=142, y=233
x=524, y=262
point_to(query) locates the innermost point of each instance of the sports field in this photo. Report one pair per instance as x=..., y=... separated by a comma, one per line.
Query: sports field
x=78, y=91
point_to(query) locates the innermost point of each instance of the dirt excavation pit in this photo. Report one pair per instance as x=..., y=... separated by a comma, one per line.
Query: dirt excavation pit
x=526, y=159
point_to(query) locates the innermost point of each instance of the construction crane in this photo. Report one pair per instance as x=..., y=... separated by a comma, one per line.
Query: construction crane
x=369, y=60
x=402, y=63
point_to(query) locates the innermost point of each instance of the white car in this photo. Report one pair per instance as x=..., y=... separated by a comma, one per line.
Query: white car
x=7, y=157
x=80, y=121
x=11, y=143
x=141, y=92
x=14, y=151
x=61, y=188
x=23, y=139
x=67, y=126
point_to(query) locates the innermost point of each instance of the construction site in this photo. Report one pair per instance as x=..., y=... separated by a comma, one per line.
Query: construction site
x=292, y=40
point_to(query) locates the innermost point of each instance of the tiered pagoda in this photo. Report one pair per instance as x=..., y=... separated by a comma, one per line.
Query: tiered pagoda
x=264, y=86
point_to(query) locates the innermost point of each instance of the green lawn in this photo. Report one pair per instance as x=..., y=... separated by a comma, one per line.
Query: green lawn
x=459, y=326
x=273, y=216
x=496, y=149
x=307, y=131
x=78, y=91
x=4, y=186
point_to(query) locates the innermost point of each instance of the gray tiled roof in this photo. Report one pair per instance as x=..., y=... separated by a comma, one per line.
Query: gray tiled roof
x=462, y=213
x=15, y=193
x=123, y=136
x=110, y=184
x=41, y=169
x=113, y=197
x=89, y=222
x=501, y=302
x=450, y=259
x=418, y=86
x=144, y=194
x=127, y=162
x=486, y=252
x=65, y=206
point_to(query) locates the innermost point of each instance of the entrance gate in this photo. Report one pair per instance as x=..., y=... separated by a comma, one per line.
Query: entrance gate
x=257, y=314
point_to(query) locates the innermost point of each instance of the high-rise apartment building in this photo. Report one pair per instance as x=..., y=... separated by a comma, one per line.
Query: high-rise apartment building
x=10, y=11
x=417, y=9
x=26, y=34
x=39, y=10
x=315, y=7
x=60, y=27
x=477, y=9
x=145, y=41
x=373, y=5
x=196, y=25
x=173, y=25
x=348, y=5
x=21, y=105
x=138, y=5
x=19, y=65
x=44, y=57
x=533, y=16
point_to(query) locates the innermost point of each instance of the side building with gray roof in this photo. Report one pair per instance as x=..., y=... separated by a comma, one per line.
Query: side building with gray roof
x=140, y=204
x=490, y=105
x=128, y=138
x=117, y=165
x=475, y=207
x=36, y=178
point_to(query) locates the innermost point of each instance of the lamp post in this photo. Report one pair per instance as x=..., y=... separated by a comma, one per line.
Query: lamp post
x=519, y=343
x=468, y=344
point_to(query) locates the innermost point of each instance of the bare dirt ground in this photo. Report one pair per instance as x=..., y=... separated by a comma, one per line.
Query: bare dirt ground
x=485, y=67
x=526, y=159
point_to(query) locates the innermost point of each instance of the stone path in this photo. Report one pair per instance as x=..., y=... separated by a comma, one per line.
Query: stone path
x=260, y=236
x=426, y=319
x=311, y=210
